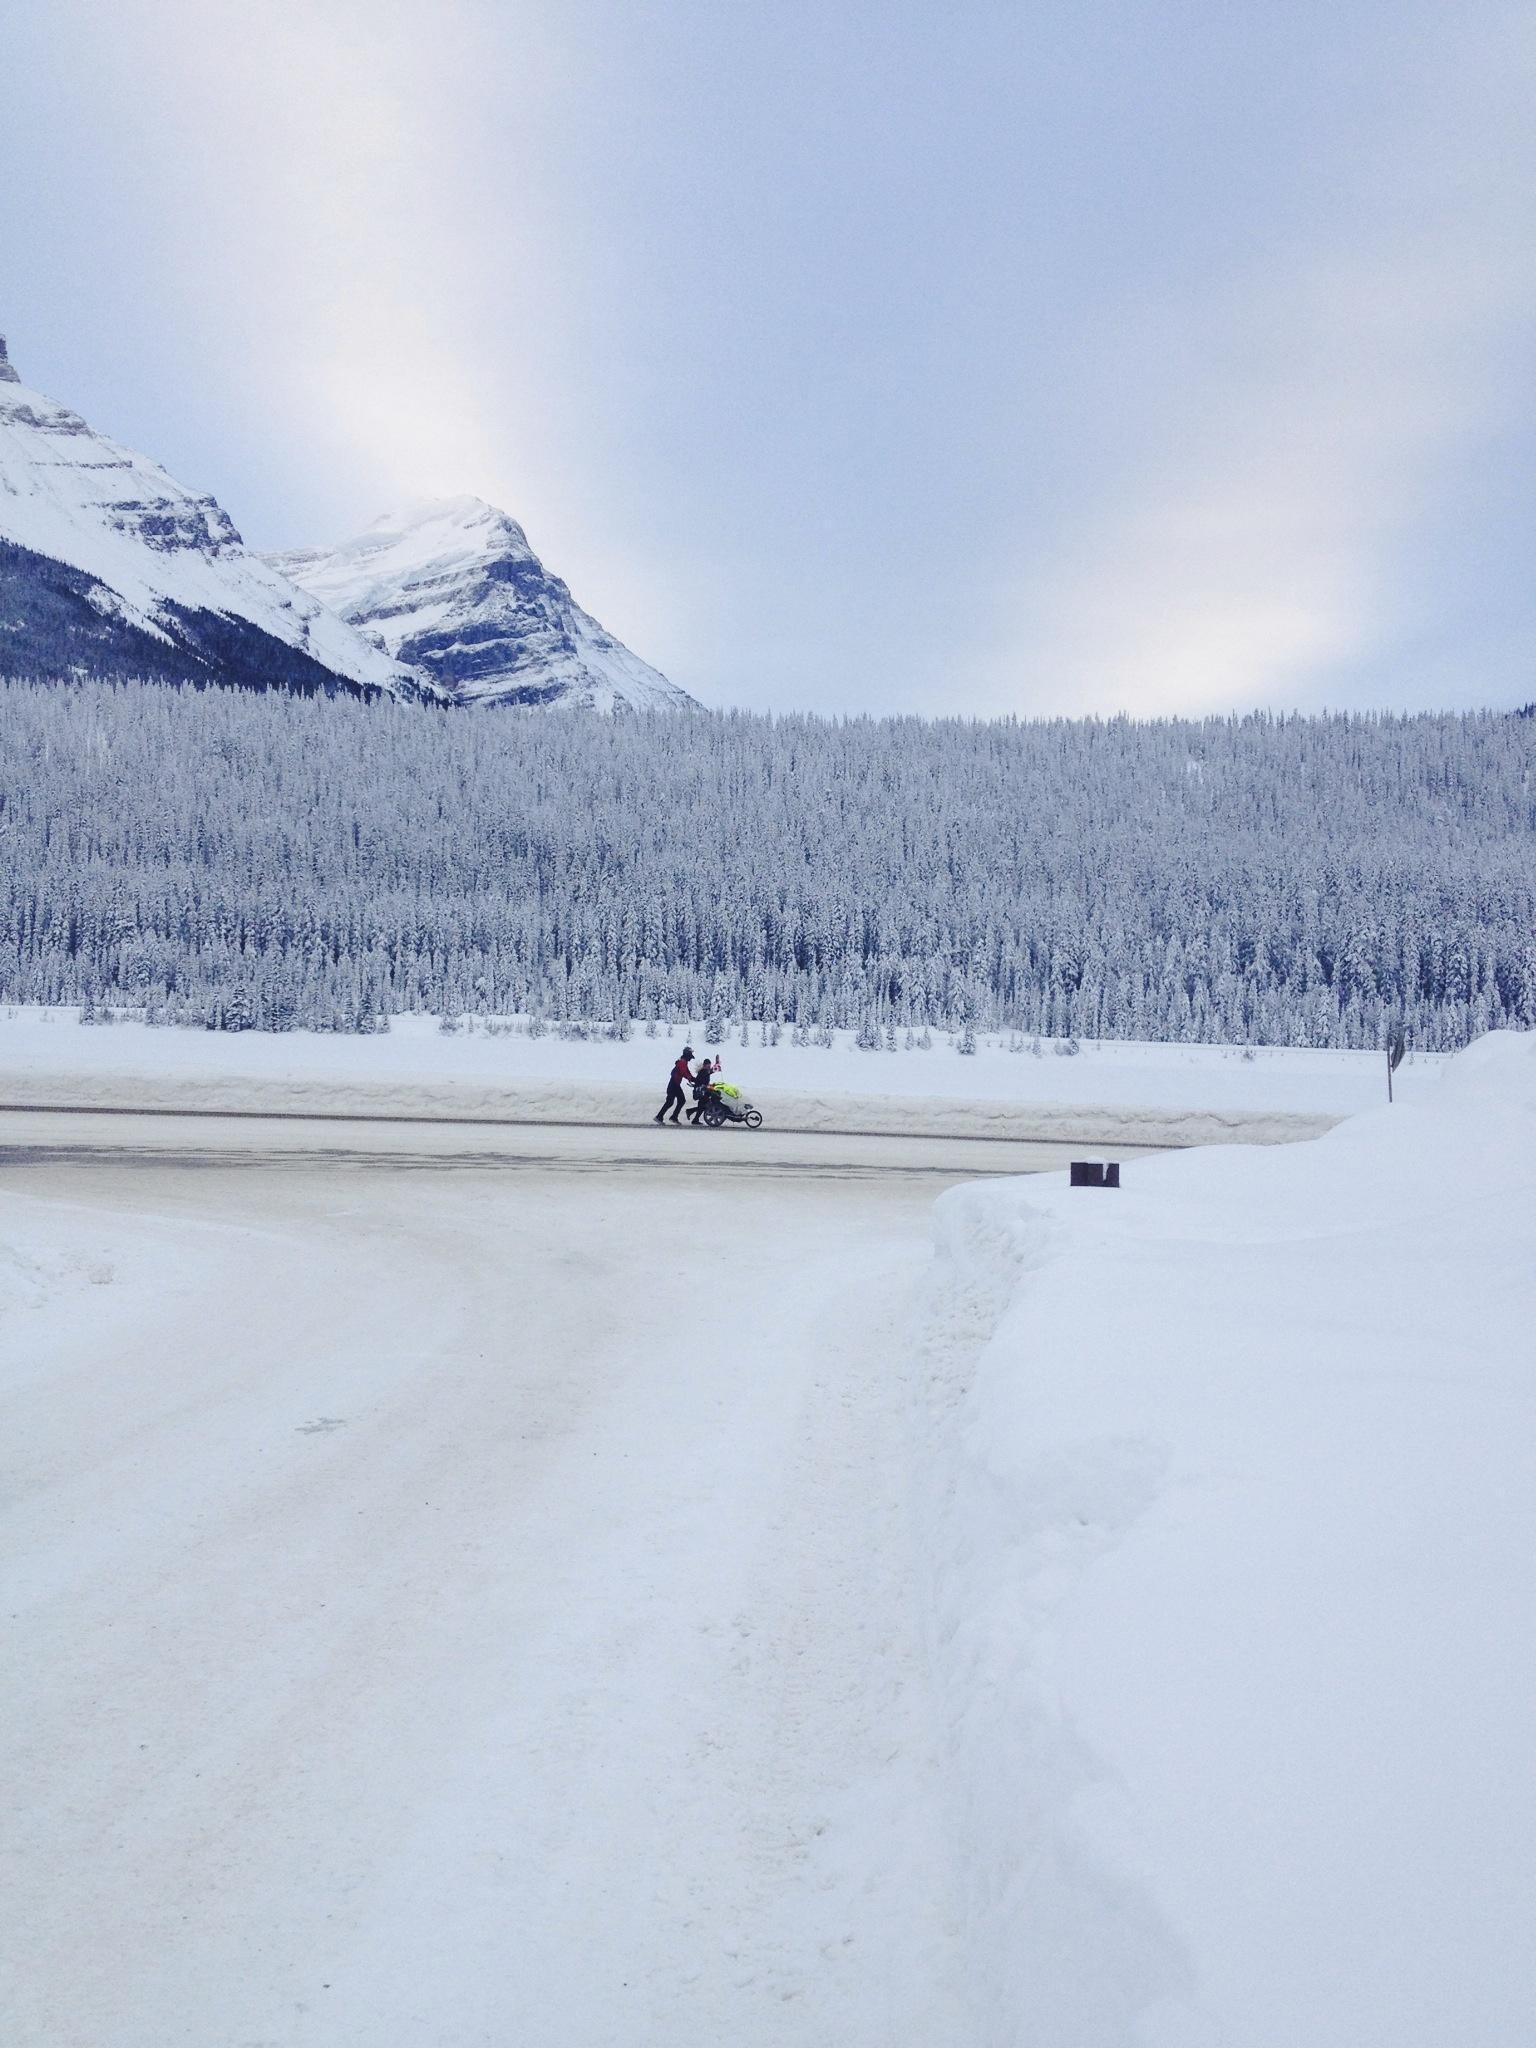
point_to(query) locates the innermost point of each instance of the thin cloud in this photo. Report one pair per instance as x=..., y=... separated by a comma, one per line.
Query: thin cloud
x=335, y=122
x=1290, y=433
x=1253, y=563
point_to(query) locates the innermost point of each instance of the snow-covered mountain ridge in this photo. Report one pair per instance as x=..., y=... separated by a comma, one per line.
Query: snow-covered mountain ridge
x=109, y=566
x=451, y=588
x=160, y=573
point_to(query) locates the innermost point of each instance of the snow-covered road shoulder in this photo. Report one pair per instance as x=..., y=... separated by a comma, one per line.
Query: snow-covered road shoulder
x=1233, y=1519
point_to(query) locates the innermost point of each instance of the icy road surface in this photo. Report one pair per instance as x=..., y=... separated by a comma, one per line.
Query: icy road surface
x=466, y=1606
x=213, y=1137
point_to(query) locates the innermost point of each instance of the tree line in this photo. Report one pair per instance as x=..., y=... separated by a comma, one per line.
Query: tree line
x=267, y=860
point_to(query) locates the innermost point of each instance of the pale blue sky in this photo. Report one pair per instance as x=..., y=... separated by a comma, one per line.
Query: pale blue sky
x=977, y=358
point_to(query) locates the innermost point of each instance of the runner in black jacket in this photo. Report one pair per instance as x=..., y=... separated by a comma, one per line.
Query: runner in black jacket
x=701, y=1080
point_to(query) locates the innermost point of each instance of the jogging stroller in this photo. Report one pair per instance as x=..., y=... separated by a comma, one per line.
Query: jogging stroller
x=724, y=1105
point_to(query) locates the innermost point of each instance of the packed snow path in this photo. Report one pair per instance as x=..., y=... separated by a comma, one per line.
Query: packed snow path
x=464, y=1608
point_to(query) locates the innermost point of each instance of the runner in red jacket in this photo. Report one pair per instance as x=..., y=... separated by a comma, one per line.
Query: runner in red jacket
x=681, y=1072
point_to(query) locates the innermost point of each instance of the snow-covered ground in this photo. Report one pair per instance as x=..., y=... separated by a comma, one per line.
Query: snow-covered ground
x=468, y=1602
x=1108, y=1091
x=1232, y=1514
x=463, y=1609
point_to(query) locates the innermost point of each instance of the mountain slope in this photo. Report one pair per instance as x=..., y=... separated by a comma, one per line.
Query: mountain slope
x=166, y=583
x=452, y=588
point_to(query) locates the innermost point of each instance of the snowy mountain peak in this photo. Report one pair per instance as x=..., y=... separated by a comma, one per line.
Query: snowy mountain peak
x=452, y=588
x=109, y=561
x=109, y=566
x=430, y=528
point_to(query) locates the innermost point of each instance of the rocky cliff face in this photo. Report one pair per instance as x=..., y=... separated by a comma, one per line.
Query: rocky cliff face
x=157, y=566
x=452, y=589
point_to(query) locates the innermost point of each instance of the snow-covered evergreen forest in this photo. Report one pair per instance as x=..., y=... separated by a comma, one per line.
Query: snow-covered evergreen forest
x=240, y=859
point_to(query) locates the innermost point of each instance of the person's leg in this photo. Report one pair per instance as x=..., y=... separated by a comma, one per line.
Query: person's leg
x=677, y=1099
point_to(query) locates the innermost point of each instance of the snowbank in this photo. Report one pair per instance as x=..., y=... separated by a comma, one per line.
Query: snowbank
x=1108, y=1092
x=1235, y=1534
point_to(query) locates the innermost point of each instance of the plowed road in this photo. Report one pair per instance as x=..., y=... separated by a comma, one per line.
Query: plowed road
x=467, y=1607
x=203, y=1137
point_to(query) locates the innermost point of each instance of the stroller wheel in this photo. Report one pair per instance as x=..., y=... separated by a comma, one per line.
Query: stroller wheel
x=753, y=1119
